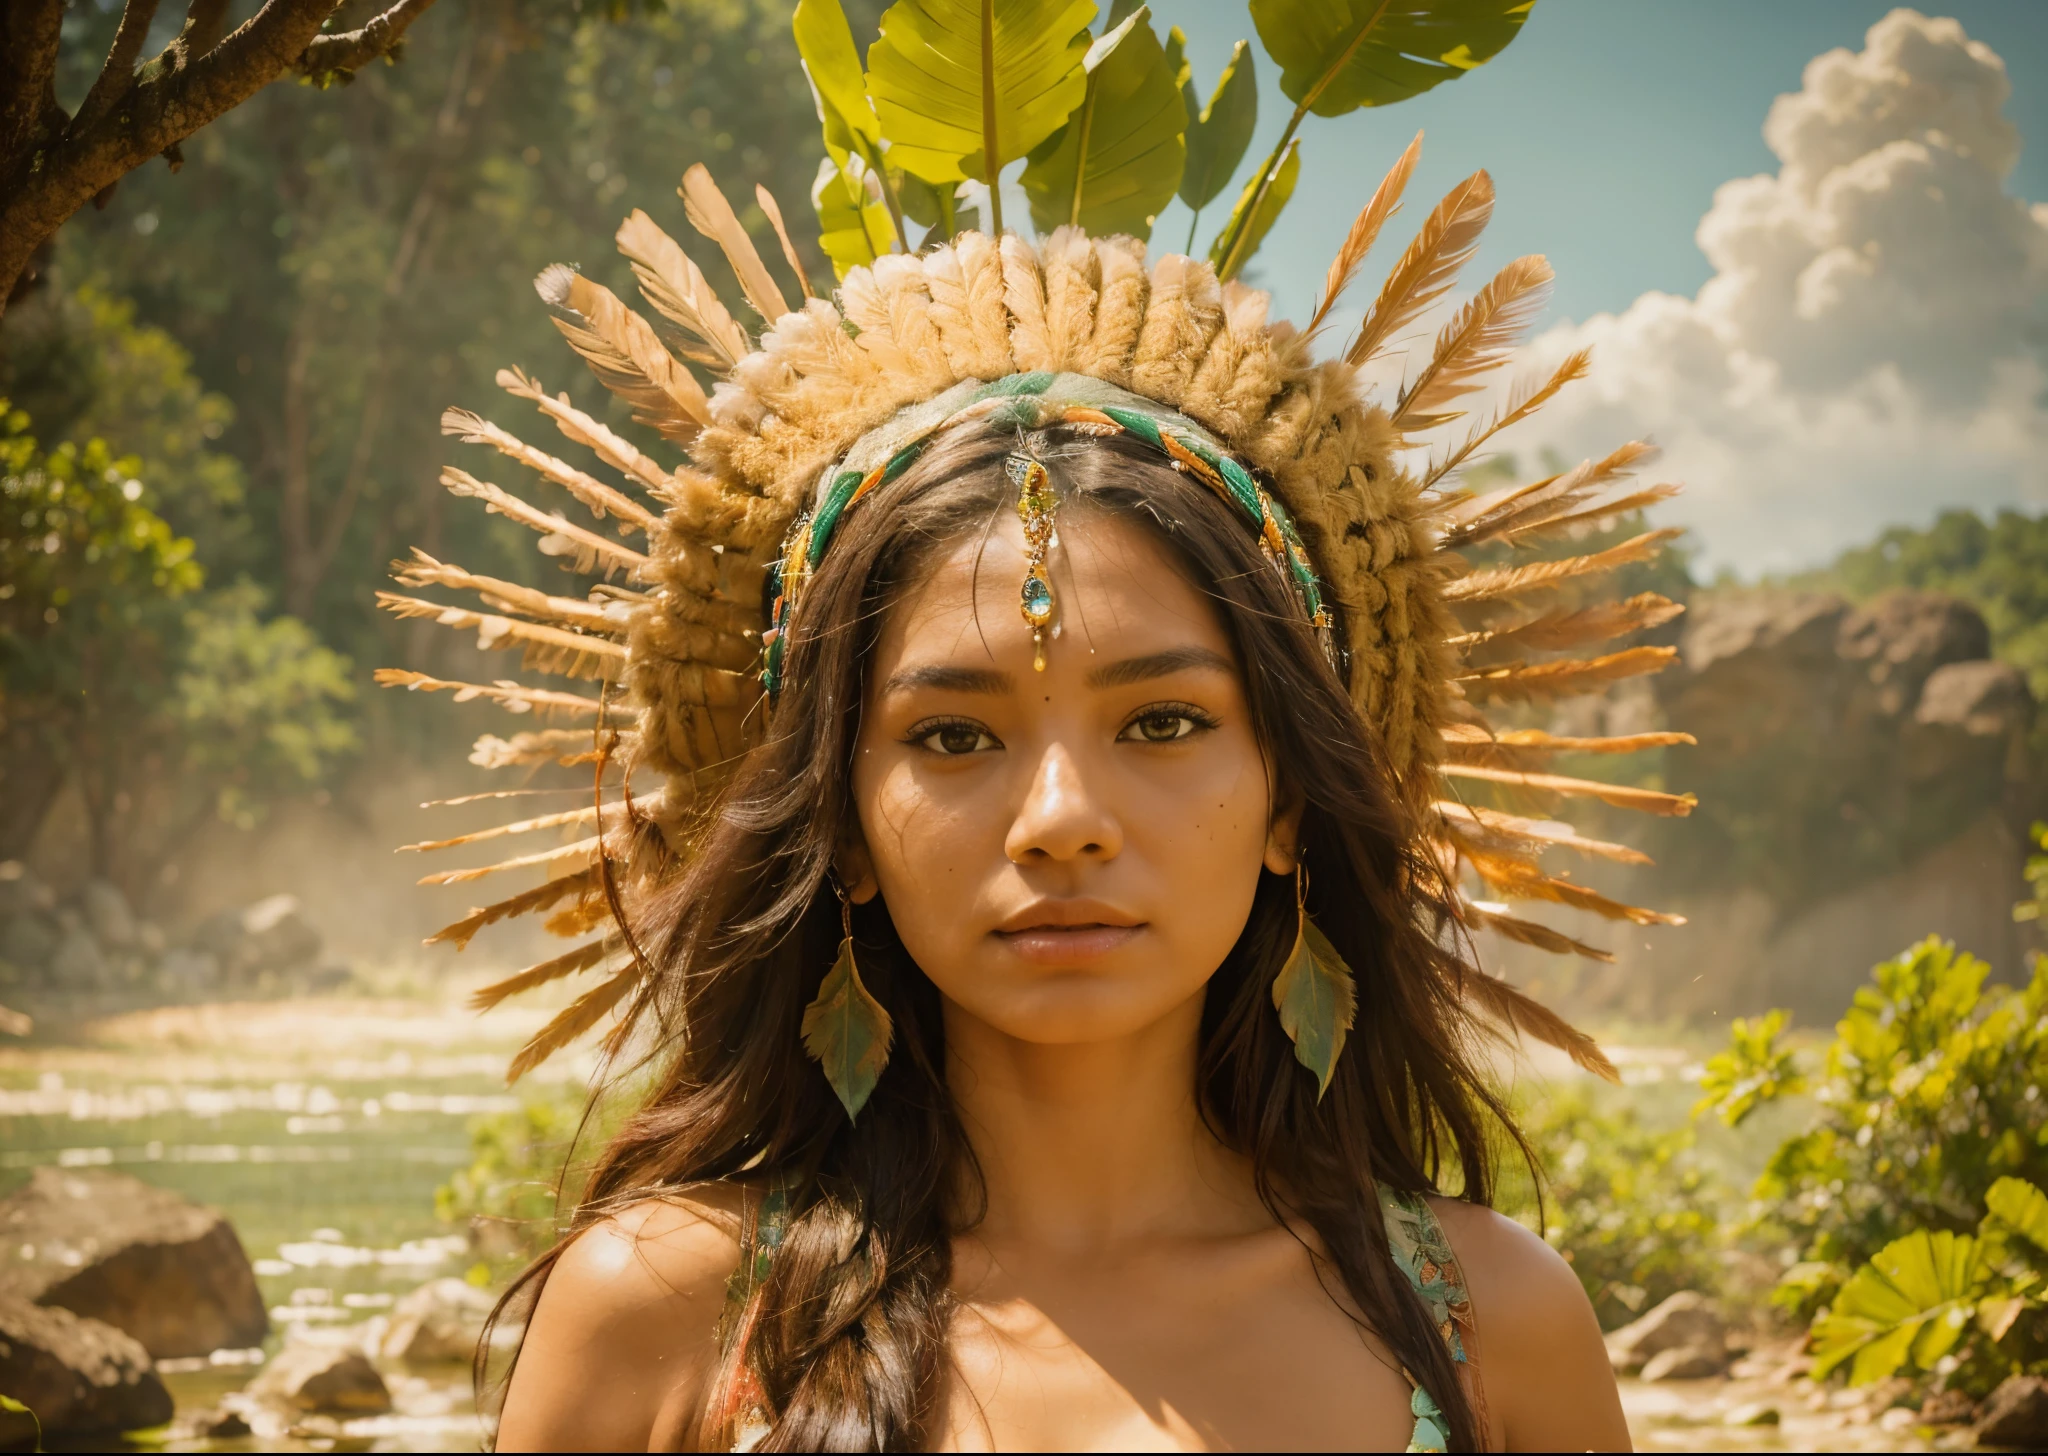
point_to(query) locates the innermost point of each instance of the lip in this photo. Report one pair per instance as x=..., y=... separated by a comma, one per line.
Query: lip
x=1068, y=932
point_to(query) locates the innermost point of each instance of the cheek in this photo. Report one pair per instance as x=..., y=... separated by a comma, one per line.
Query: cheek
x=1203, y=836
x=930, y=845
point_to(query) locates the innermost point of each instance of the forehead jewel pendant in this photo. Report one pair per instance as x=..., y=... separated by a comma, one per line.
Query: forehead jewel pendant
x=1036, y=508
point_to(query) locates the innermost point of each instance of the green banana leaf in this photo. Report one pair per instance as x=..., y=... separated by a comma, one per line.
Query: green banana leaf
x=1177, y=58
x=1262, y=219
x=1338, y=55
x=1219, y=132
x=824, y=41
x=1911, y=1302
x=853, y=220
x=963, y=87
x=1118, y=160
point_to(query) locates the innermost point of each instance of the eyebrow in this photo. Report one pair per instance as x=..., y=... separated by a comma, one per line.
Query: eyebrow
x=948, y=679
x=1159, y=664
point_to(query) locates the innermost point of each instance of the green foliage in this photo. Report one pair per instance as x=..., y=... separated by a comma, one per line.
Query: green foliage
x=1635, y=1211
x=1337, y=57
x=1754, y=1070
x=1264, y=204
x=515, y=1171
x=1219, y=132
x=1118, y=159
x=2000, y=567
x=1930, y=1093
x=2037, y=877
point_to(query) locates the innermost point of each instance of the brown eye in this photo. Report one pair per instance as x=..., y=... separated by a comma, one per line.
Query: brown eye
x=952, y=740
x=1160, y=727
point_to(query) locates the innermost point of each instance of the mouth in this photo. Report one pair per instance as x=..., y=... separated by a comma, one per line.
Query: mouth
x=1068, y=933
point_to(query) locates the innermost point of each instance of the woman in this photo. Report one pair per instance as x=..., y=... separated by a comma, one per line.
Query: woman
x=1048, y=954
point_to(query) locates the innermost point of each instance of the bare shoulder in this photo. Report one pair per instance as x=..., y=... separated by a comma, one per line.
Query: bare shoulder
x=1541, y=1357
x=625, y=1332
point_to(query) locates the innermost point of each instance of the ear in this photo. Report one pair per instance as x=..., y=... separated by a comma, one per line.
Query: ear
x=856, y=868
x=1283, y=839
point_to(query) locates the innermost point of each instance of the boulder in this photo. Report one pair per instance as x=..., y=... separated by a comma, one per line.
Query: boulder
x=113, y=1248
x=1984, y=699
x=183, y=970
x=1686, y=1321
x=29, y=938
x=439, y=1322
x=78, y=963
x=21, y=892
x=1687, y=1362
x=2016, y=1414
x=271, y=935
x=322, y=1380
x=107, y=915
x=75, y=1374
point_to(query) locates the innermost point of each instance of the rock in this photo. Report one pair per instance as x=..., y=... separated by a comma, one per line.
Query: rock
x=110, y=1247
x=1948, y=1408
x=77, y=963
x=1985, y=699
x=1687, y=1362
x=28, y=938
x=107, y=915
x=214, y=1423
x=1754, y=1413
x=187, y=970
x=270, y=935
x=2016, y=1414
x=439, y=1322
x=1685, y=1321
x=1903, y=636
x=322, y=1380
x=76, y=1374
x=21, y=892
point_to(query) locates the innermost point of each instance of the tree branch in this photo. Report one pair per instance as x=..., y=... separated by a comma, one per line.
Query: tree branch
x=117, y=75
x=340, y=55
x=30, y=118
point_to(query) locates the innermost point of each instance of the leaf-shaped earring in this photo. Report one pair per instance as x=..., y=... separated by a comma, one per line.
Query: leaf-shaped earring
x=1314, y=993
x=845, y=1029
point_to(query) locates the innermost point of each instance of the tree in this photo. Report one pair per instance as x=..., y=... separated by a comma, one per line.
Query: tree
x=53, y=161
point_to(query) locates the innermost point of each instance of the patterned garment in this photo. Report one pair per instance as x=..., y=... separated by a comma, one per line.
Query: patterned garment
x=1420, y=1248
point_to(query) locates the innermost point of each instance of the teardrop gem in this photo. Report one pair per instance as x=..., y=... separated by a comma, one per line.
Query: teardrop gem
x=1037, y=601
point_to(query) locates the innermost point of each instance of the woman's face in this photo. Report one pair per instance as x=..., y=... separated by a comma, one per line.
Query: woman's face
x=1068, y=854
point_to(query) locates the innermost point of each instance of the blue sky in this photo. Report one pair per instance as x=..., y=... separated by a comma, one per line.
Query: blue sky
x=1607, y=125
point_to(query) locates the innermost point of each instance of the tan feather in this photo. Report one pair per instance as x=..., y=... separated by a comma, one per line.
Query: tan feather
x=1604, y=511
x=678, y=290
x=1429, y=267
x=1365, y=230
x=548, y=649
x=540, y=897
x=796, y=265
x=559, y=537
x=612, y=448
x=1530, y=932
x=1650, y=801
x=1477, y=340
x=1463, y=820
x=515, y=697
x=585, y=815
x=1522, y=404
x=1503, y=513
x=583, y=847
x=585, y=1012
x=1518, y=880
x=1532, y=1018
x=1524, y=682
x=508, y=596
x=564, y=746
x=626, y=355
x=568, y=964
x=600, y=498
x=580, y=917
x=711, y=215
x=1557, y=630
x=490, y=794
x=1513, y=581
x=1461, y=734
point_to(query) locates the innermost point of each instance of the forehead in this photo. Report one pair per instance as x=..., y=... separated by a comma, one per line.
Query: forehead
x=1120, y=592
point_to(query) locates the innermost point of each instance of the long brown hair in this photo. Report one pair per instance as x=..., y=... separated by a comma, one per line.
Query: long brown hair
x=850, y=1340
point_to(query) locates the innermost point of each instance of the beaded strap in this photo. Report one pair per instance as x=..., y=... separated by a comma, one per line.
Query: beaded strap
x=1026, y=402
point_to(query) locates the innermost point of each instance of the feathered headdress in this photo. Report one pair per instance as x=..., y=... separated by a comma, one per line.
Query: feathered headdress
x=669, y=633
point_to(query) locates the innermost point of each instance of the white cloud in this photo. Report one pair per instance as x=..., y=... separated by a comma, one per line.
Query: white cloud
x=1873, y=346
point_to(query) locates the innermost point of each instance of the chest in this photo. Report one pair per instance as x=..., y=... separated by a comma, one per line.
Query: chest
x=1167, y=1354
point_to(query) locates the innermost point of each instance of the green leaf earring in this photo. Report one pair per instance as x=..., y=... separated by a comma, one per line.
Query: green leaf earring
x=1314, y=993
x=845, y=1029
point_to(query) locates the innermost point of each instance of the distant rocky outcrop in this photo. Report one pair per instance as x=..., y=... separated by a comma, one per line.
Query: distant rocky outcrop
x=1866, y=776
x=167, y=1272
x=78, y=1375
x=93, y=943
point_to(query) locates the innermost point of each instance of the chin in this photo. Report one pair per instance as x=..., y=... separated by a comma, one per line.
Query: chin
x=1068, y=1007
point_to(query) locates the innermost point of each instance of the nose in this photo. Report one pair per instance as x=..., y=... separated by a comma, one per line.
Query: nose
x=1062, y=818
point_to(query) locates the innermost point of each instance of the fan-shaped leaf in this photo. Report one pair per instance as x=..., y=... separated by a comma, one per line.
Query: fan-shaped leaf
x=1118, y=160
x=1912, y=1301
x=963, y=87
x=1237, y=242
x=2021, y=1207
x=1338, y=55
x=1219, y=132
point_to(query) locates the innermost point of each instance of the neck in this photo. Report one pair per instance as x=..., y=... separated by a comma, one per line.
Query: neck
x=1088, y=1145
